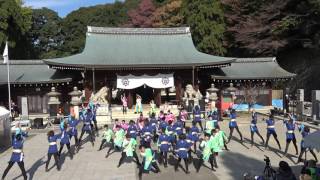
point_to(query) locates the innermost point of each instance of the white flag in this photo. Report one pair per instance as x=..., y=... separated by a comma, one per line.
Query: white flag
x=6, y=54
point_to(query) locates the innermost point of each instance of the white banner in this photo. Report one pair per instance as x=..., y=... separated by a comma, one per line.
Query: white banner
x=159, y=81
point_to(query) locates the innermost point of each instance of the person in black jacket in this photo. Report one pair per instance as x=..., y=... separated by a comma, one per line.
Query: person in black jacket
x=285, y=172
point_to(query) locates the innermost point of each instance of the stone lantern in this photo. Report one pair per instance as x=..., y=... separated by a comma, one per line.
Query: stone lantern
x=213, y=97
x=232, y=90
x=75, y=96
x=53, y=101
x=75, y=101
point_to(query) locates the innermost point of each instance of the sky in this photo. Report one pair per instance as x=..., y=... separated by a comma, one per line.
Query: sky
x=64, y=7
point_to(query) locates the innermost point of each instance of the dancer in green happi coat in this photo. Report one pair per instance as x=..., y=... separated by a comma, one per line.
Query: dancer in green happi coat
x=207, y=152
x=129, y=150
x=148, y=162
x=107, y=137
x=118, y=139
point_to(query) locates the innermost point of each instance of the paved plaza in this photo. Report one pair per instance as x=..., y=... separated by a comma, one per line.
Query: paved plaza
x=92, y=164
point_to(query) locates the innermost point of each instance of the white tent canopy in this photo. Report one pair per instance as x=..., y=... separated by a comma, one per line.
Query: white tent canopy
x=4, y=113
x=5, y=127
x=159, y=81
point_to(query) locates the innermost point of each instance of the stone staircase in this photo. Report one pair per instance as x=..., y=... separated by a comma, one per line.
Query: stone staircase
x=117, y=112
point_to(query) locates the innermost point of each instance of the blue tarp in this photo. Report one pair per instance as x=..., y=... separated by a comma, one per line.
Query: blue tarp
x=245, y=107
x=278, y=103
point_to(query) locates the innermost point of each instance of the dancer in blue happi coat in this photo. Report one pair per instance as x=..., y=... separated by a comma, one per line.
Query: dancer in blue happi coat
x=182, y=149
x=164, y=147
x=233, y=125
x=162, y=125
x=154, y=125
x=65, y=140
x=73, y=132
x=53, y=149
x=189, y=139
x=271, y=131
x=197, y=116
x=87, y=118
x=290, y=136
x=93, y=108
x=132, y=129
x=146, y=134
x=195, y=132
x=253, y=127
x=17, y=156
x=304, y=132
x=178, y=127
x=171, y=133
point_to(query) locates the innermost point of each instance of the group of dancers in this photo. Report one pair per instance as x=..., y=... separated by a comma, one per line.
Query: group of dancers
x=157, y=136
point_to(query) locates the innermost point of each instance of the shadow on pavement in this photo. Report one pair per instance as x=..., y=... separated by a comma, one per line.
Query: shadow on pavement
x=31, y=171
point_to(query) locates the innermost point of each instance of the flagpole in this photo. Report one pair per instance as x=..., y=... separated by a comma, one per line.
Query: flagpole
x=9, y=89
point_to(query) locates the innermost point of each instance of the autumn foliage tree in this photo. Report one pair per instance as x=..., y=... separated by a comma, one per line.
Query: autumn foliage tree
x=141, y=16
x=168, y=15
x=262, y=28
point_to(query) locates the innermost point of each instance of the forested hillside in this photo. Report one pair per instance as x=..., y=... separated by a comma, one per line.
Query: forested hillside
x=287, y=29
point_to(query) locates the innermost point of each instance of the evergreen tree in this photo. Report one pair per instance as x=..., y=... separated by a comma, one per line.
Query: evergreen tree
x=206, y=19
x=15, y=21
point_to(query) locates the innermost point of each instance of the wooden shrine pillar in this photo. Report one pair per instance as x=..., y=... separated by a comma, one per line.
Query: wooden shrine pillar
x=130, y=99
x=193, y=76
x=157, y=97
x=109, y=96
x=93, y=80
x=178, y=87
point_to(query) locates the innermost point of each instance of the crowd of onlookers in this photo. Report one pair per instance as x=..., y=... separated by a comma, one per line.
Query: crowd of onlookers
x=309, y=171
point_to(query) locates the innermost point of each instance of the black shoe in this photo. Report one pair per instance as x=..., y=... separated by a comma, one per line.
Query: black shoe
x=187, y=172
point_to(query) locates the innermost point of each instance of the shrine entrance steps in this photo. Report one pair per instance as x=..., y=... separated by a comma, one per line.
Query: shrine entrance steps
x=116, y=112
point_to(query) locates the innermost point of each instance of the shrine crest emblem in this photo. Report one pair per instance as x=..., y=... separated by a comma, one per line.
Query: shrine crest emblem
x=125, y=81
x=165, y=80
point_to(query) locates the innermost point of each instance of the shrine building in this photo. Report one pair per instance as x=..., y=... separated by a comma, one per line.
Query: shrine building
x=156, y=63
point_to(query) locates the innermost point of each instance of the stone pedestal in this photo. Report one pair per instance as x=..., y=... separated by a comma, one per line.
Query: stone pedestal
x=316, y=104
x=300, y=105
x=75, y=101
x=103, y=114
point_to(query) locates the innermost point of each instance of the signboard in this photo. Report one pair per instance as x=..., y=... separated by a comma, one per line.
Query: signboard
x=24, y=108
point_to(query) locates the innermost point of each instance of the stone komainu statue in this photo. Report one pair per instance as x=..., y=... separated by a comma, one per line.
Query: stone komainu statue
x=100, y=96
x=191, y=94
